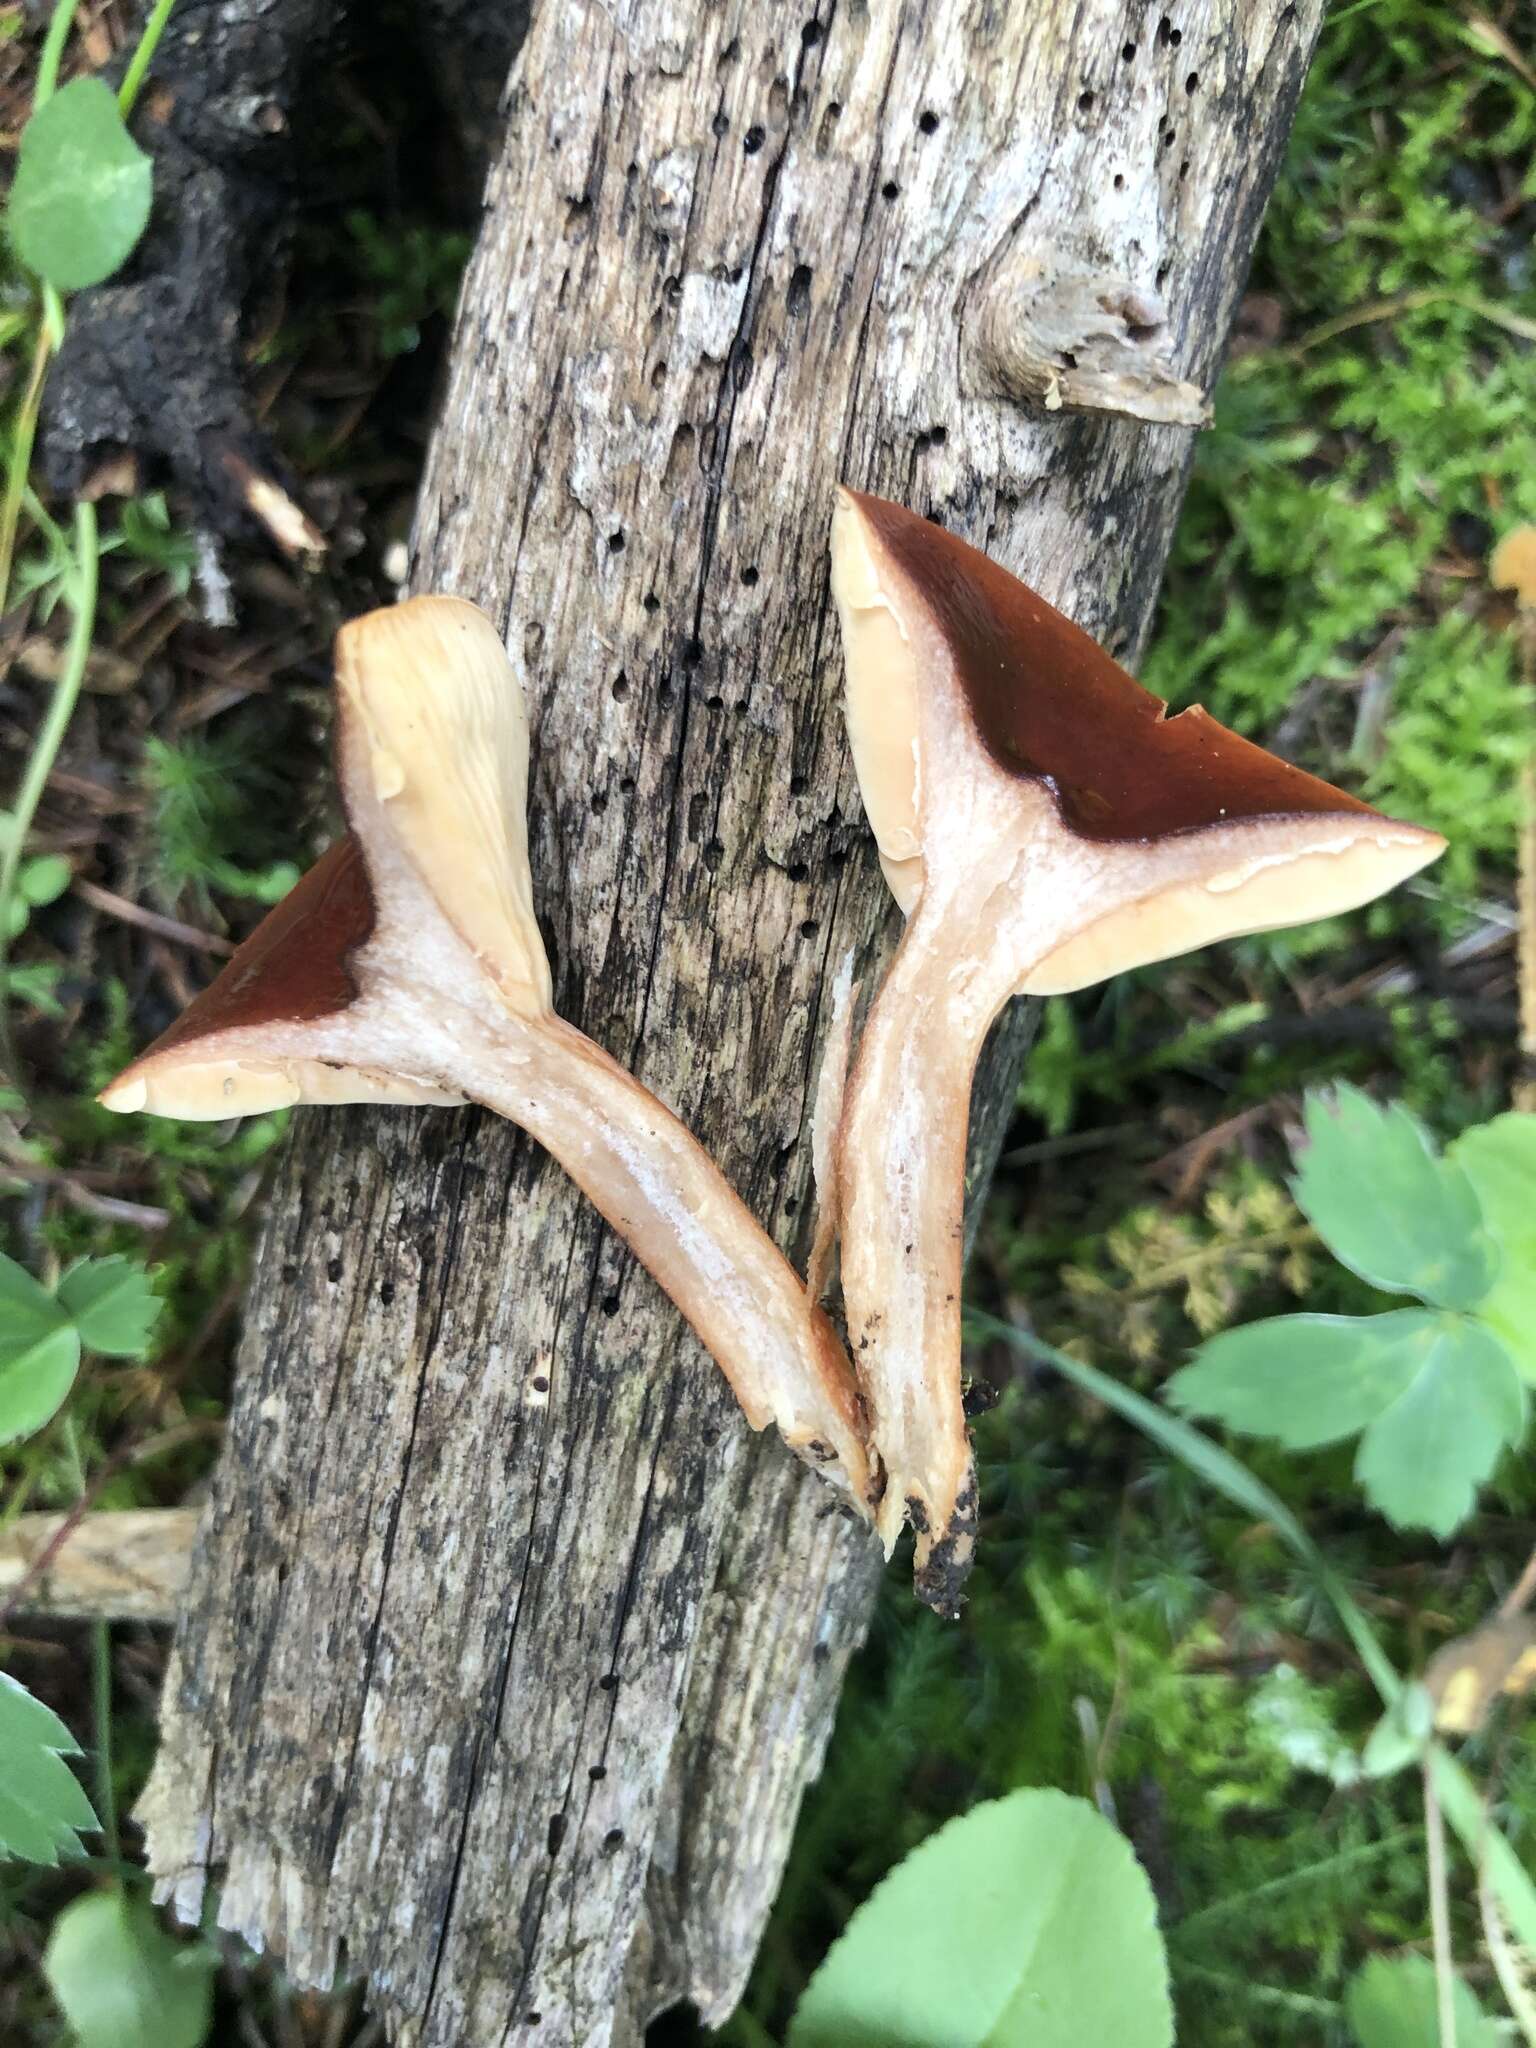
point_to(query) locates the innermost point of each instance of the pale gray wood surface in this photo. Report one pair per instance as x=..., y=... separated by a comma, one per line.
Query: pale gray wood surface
x=508, y=1652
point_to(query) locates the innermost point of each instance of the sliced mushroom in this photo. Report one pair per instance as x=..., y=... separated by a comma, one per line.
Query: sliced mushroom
x=407, y=967
x=1044, y=824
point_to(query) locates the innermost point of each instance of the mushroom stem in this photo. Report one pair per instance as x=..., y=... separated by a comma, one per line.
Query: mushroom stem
x=662, y=1192
x=902, y=1147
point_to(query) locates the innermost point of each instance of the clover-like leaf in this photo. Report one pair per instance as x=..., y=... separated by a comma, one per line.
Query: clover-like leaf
x=1304, y=1380
x=1394, y=2003
x=81, y=194
x=1401, y=1735
x=1423, y=1458
x=1373, y=1188
x=112, y=1303
x=42, y=1805
x=1028, y=1923
x=121, y=1981
x=39, y=1353
x=1436, y=1396
x=1499, y=1159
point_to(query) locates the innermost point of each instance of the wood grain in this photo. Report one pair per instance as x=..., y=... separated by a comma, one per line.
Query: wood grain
x=509, y=1653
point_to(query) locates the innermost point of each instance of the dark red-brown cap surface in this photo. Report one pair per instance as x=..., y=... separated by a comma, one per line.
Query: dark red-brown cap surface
x=1049, y=704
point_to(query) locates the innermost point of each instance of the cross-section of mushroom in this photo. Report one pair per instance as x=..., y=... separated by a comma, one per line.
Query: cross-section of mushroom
x=407, y=967
x=1044, y=824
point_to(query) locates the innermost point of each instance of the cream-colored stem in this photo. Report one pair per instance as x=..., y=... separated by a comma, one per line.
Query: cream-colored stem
x=658, y=1187
x=902, y=1183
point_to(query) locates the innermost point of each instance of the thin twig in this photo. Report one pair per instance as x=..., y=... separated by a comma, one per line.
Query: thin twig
x=126, y=912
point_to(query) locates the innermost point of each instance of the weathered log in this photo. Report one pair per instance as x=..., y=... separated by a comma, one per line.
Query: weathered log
x=508, y=1653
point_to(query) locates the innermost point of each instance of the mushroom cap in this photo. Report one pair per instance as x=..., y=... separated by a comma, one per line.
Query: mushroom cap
x=295, y=968
x=432, y=742
x=958, y=670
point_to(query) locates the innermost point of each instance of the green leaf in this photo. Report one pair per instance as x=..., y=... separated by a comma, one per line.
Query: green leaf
x=1028, y=1923
x=122, y=1982
x=113, y=1305
x=1499, y=1159
x=41, y=1802
x=1393, y=2003
x=39, y=1353
x=1304, y=1380
x=80, y=198
x=1402, y=1734
x=1371, y=1186
x=45, y=878
x=1423, y=1458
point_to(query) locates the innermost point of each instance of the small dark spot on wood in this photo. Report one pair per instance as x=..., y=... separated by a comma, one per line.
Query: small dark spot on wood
x=672, y=291
x=616, y=542
x=609, y=1304
x=627, y=786
x=721, y=123
x=928, y=121
x=556, y=1832
x=597, y=1773
x=716, y=703
x=1085, y=102
x=890, y=189
x=1162, y=274
x=753, y=140
x=1192, y=83
x=1128, y=52
x=799, y=289
x=539, y=1384
x=798, y=872
x=599, y=802
x=791, y=1205
x=797, y=785
x=820, y=1652
x=1175, y=37
x=1184, y=170
x=937, y=436
x=620, y=687
x=609, y=1682
x=333, y=1269
x=1119, y=181
x=290, y=1273
x=658, y=376
x=810, y=35
x=714, y=853
x=613, y=1841
x=749, y=575
x=693, y=653
x=1164, y=30
x=809, y=929
x=731, y=52
x=387, y=1292
x=652, y=601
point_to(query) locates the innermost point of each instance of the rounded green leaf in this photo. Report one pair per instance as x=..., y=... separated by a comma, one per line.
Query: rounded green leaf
x=34, y=1383
x=1305, y=1380
x=1499, y=1159
x=41, y=1800
x=80, y=198
x=1372, y=1187
x=1394, y=2003
x=112, y=1303
x=1026, y=1924
x=121, y=1981
x=1423, y=1458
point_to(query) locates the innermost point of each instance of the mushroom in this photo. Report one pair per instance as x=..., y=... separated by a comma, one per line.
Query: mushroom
x=407, y=967
x=1044, y=824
